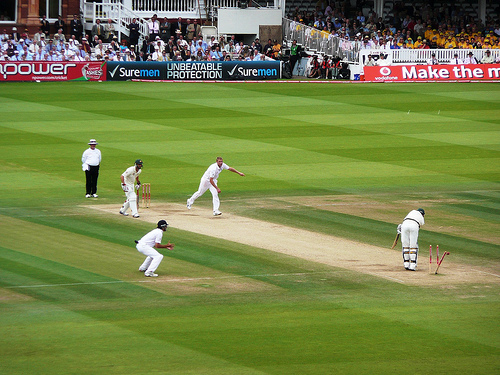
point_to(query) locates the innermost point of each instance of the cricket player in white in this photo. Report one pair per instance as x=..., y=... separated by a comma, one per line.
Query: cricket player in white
x=209, y=181
x=129, y=178
x=409, y=237
x=147, y=245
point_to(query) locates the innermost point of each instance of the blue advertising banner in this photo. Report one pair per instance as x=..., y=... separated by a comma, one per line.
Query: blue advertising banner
x=193, y=70
x=127, y=70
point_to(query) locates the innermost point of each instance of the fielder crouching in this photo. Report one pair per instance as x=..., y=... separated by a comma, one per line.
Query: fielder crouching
x=409, y=237
x=148, y=244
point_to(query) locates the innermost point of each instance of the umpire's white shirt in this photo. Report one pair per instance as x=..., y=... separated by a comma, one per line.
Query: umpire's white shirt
x=91, y=157
x=151, y=238
x=213, y=171
x=130, y=175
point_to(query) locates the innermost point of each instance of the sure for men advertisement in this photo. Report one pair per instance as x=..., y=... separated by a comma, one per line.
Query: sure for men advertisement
x=194, y=70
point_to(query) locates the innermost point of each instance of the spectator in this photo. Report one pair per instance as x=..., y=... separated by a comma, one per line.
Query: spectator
x=98, y=29
x=86, y=46
x=190, y=30
x=95, y=41
x=197, y=28
x=76, y=27
x=60, y=24
x=134, y=32
x=60, y=35
x=123, y=46
x=470, y=59
x=370, y=61
x=276, y=49
x=36, y=37
x=178, y=25
x=382, y=61
x=455, y=60
x=433, y=60
x=99, y=48
x=487, y=58
x=165, y=30
x=295, y=51
x=268, y=48
x=154, y=27
x=109, y=31
x=45, y=25
x=314, y=67
x=216, y=54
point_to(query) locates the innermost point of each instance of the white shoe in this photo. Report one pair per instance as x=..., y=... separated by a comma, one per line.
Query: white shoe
x=217, y=213
x=136, y=215
x=141, y=270
x=87, y=196
x=95, y=195
x=150, y=274
x=123, y=213
x=188, y=204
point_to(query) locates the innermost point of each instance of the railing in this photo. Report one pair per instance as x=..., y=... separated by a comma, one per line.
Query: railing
x=321, y=42
x=118, y=13
x=184, y=8
x=158, y=6
x=420, y=56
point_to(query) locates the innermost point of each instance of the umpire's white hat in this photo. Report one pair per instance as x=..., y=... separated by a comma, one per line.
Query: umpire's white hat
x=93, y=142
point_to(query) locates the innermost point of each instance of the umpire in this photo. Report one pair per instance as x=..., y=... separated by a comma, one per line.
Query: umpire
x=91, y=160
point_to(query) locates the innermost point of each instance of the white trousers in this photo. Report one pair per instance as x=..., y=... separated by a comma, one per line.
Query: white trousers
x=131, y=200
x=153, y=259
x=409, y=242
x=204, y=186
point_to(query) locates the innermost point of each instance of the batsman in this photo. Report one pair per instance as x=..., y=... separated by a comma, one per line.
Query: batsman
x=409, y=229
x=128, y=179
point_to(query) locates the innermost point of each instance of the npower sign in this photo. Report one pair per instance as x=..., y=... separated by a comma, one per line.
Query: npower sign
x=51, y=71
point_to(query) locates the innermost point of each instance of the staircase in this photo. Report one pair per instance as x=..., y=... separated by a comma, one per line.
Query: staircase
x=119, y=14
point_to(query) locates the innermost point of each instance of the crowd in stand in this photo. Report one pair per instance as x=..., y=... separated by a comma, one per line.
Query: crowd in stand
x=407, y=27
x=167, y=41
x=446, y=27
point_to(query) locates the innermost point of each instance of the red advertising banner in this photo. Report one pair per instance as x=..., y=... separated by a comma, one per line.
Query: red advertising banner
x=421, y=73
x=52, y=71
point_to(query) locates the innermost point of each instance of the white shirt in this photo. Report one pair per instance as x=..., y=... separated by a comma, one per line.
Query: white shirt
x=417, y=216
x=152, y=238
x=213, y=171
x=130, y=175
x=91, y=157
x=470, y=60
x=154, y=27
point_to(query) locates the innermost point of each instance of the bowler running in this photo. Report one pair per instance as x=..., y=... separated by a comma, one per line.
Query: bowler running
x=209, y=182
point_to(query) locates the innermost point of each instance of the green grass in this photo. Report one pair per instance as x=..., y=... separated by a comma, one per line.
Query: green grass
x=72, y=301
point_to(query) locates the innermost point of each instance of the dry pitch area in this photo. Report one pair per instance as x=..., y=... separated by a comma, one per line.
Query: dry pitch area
x=321, y=248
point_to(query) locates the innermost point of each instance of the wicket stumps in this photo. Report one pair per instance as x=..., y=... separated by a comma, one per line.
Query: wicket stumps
x=438, y=261
x=146, y=195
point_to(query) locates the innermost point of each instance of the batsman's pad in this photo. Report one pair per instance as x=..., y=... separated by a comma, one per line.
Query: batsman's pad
x=413, y=258
x=406, y=257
